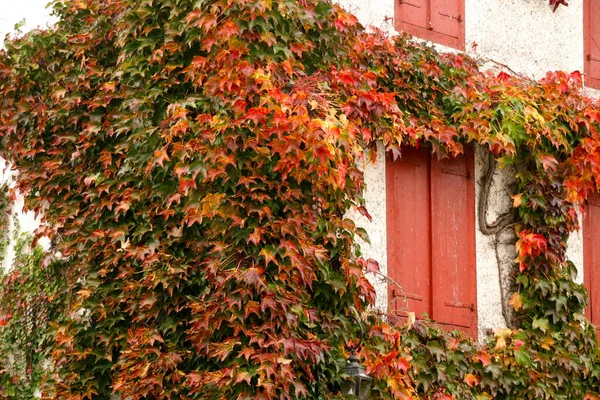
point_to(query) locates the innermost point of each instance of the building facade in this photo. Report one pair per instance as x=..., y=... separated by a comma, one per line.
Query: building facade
x=452, y=257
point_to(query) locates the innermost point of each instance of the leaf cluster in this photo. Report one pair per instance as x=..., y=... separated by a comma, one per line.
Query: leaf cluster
x=194, y=163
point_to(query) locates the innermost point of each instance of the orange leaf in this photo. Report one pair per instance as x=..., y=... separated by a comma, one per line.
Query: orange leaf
x=483, y=358
x=516, y=301
x=472, y=380
x=517, y=199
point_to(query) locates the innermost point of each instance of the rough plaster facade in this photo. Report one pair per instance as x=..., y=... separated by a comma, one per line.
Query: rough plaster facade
x=525, y=37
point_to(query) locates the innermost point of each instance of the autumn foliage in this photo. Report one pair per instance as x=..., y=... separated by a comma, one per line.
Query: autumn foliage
x=194, y=163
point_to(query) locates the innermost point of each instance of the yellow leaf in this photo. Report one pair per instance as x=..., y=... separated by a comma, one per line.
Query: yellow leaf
x=410, y=320
x=548, y=342
x=392, y=383
x=500, y=343
x=80, y=4
x=516, y=301
x=502, y=332
x=84, y=293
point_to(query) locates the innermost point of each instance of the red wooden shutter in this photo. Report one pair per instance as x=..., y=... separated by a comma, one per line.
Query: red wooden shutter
x=408, y=237
x=431, y=238
x=591, y=245
x=453, y=245
x=592, y=43
x=440, y=21
x=446, y=17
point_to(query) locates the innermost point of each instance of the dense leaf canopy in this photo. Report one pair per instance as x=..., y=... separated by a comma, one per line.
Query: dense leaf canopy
x=194, y=163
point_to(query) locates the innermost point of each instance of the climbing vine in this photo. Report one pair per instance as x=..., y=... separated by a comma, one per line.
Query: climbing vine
x=193, y=163
x=5, y=213
x=502, y=231
x=31, y=297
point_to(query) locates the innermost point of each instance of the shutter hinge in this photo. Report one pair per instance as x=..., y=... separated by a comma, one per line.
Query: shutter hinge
x=458, y=19
x=456, y=304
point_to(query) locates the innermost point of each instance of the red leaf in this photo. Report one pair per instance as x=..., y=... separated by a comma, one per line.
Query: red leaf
x=257, y=115
x=403, y=364
x=531, y=244
x=372, y=266
x=503, y=76
x=323, y=153
x=253, y=276
x=363, y=211
x=576, y=78
x=518, y=343
x=255, y=236
x=4, y=319
x=548, y=162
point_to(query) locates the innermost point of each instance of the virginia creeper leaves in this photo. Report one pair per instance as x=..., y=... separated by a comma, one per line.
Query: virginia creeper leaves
x=193, y=162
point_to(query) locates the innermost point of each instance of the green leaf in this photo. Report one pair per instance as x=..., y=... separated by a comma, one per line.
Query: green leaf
x=541, y=324
x=436, y=349
x=523, y=357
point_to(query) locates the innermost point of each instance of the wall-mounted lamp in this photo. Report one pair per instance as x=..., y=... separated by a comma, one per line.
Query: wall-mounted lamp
x=358, y=382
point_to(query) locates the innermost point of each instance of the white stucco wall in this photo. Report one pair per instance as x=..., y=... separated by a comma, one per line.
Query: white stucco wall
x=489, y=300
x=526, y=35
x=575, y=250
x=375, y=198
x=372, y=13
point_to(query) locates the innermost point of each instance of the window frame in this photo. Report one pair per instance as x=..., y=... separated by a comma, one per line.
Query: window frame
x=591, y=278
x=402, y=299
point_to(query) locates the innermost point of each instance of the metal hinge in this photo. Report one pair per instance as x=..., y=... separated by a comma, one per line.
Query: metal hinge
x=407, y=295
x=456, y=304
x=459, y=18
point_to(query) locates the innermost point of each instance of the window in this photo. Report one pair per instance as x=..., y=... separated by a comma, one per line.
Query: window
x=591, y=258
x=431, y=238
x=591, y=34
x=440, y=21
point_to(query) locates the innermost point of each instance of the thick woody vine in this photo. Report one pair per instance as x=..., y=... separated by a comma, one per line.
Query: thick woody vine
x=502, y=231
x=193, y=164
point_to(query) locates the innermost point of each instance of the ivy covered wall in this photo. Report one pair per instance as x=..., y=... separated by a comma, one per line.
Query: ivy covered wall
x=195, y=162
